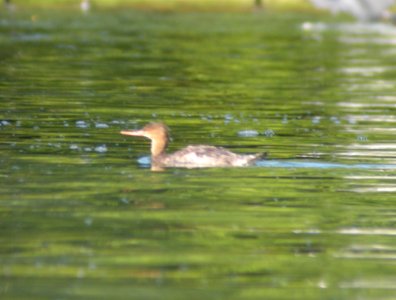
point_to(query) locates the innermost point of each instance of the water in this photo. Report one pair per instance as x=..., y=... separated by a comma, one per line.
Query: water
x=81, y=218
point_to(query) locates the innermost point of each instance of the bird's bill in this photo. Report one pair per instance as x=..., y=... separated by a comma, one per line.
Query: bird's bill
x=133, y=132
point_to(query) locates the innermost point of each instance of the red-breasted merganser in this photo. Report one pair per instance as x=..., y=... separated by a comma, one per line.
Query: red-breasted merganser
x=196, y=156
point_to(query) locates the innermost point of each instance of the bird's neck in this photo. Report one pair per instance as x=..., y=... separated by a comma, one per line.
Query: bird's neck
x=158, y=147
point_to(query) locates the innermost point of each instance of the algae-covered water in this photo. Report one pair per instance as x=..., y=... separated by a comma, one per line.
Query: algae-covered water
x=81, y=215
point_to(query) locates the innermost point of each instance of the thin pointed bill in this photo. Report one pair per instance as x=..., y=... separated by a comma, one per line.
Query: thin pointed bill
x=133, y=132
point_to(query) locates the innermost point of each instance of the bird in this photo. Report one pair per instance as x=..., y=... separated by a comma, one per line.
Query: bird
x=192, y=156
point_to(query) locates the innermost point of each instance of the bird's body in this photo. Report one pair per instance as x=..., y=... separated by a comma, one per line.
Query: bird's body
x=203, y=156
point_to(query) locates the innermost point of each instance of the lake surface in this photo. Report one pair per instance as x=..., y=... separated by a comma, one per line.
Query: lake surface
x=83, y=217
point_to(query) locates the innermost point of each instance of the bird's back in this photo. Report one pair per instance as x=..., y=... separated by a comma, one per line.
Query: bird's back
x=202, y=156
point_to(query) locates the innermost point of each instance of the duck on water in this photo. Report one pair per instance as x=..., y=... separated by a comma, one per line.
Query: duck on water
x=193, y=156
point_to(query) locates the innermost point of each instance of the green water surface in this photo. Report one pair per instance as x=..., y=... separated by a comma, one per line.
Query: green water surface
x=80, y=218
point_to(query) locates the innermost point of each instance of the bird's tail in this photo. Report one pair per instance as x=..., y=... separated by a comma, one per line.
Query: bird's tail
x=261, y=155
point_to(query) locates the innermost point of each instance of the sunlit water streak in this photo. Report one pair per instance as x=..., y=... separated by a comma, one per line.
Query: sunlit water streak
x=320, y=165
